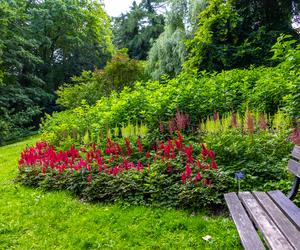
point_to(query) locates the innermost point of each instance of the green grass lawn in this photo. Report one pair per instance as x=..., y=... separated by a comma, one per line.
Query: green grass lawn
x=33, y=219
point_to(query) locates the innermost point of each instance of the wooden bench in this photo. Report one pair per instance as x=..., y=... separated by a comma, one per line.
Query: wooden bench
x=273, y=214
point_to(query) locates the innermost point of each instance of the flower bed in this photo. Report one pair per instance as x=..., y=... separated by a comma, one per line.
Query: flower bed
x=169, y=174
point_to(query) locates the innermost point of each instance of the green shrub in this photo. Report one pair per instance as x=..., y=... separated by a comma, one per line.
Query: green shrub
x=262, y=156
x=235, y=90
x=119, y=72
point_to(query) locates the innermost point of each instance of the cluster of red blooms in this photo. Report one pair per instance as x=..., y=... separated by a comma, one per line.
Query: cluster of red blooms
x=117, y=159
x=46, y=157
x=193, y=167
x=198, y=166
x=180, y=122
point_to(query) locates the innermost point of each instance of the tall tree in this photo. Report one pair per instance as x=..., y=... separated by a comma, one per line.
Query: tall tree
x=137, y=29
x=73, y=36
x=238, y=33
x=21, y=90
x=169, y=52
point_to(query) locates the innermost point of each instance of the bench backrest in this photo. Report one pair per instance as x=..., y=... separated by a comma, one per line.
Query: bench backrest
x=294, y=165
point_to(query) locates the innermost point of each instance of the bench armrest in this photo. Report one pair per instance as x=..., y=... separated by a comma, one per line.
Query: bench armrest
x=295, y=188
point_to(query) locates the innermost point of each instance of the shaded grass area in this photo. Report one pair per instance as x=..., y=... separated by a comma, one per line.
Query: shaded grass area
x=33, y=219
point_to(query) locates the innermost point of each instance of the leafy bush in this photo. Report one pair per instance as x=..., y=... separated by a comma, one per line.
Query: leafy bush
x=172, y=175
x=287, y=52
x=263, y=89
x=257, y=147
x=119, y=72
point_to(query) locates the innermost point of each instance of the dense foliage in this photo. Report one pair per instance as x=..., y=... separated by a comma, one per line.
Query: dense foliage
x=168, y=52
x=138, y=28
x=42, y=44
x=119, y=72
x=236, y=34
x=264, y=89
x=256, y=145
x=72, y=36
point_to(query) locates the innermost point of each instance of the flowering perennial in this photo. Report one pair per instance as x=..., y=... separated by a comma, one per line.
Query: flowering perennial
x=173, y=154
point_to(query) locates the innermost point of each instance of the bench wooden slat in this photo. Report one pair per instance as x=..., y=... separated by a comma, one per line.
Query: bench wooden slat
x=282, y=221
x=246, y=230
x=294, y=167
x=273, y=236
x=296, y=152
x=287, y=206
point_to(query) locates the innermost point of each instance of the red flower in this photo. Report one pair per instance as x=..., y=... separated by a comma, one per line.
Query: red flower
x=167, y=151
x=204, y=152
x=161, y=145
x=214, y=165
x=127, y=143
x=262, y=121
x=250, y=123
x=125, y=164
x=115, y=171
x=189, y=153
x=140, y=166
x=199, y=164
x=188, y=170
x=178, y=142
x=89, y=168
x=182, y=120
x=107, y=151
x=207, y=182
x=198, y=176
x=216, y=116
x=170, y=144
x=173, y=155
x=211, y=154
x=140, y=147
x=234, y=121
x=172, y=126
x=295, y=136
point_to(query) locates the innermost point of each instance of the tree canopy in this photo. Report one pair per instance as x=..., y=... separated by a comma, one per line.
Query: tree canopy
x=138, y=29
x=233, y=34
x=169, y=51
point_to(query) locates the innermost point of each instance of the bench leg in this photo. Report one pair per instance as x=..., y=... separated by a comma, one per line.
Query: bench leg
x=295, y=188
